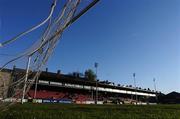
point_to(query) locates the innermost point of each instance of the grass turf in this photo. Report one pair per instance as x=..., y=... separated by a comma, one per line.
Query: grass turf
x=72, y=111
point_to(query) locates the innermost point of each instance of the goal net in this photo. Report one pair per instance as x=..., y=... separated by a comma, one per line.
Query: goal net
x=36, y=56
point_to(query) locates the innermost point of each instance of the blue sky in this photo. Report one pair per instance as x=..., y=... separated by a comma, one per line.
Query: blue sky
x=123, y=36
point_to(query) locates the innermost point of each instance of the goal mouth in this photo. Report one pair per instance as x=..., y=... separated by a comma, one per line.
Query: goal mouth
x=35, y=58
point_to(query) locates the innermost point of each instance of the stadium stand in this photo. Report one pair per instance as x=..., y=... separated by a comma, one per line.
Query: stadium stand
x=58, y=87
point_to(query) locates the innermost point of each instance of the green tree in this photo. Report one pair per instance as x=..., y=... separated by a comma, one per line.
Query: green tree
x=90, y=75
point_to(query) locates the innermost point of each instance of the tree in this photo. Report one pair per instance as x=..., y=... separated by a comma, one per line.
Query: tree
x=90, y=75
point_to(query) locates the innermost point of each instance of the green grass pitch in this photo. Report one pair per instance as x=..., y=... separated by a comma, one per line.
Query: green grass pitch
x=72, y=111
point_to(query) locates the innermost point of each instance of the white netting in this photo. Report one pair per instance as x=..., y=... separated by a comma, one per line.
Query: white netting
x=40, y=51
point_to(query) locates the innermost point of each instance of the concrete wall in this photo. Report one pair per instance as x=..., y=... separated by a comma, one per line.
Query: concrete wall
x=4, y=83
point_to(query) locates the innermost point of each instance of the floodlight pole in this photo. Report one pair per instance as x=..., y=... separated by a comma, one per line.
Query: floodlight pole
x=134, y=77
x=26, y=78
x=96, y=66
x=92, y=95
x=154, y=80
